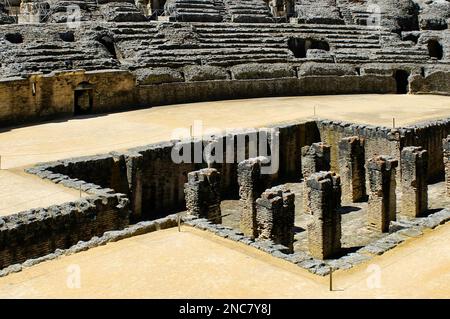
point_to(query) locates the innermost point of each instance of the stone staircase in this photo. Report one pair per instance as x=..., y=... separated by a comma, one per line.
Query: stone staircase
x=195, y=10
x=226, y=44
x=46, y=57
x=174, y=45
x=347, y=43
x=248, y=11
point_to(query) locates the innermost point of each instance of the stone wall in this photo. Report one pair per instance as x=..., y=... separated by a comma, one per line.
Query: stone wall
x=390, y=141
x=40, y=96
x=429, y=136
x=46, y=96
x=41, y=231
x=378, y=139
x=202, y=194
x=435, y=83
x=275, y=216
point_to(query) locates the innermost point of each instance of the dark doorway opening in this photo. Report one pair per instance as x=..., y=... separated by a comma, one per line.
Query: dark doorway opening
x=108, y=43
x=401, y=78
x=68, y=36
x=435, y=49
x=300, y=46
x=15, y=38
x=83, y=99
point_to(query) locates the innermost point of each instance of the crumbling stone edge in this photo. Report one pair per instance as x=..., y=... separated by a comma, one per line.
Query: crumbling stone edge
x=400, y=231
x=140, y=228
x=389, y=133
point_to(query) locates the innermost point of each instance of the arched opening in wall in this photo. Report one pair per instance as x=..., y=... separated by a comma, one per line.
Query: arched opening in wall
x=401, y=78
x=83, y=99
x=15, y=38
x=299, y=47
x=108, y=43
x=68, y=36
x=435, y=49
x=153, y=8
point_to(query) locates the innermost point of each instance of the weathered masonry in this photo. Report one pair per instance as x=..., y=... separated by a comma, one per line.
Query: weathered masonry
x=251, y=185
x=324, y=232
x=202, y=193
x=352, y=169
x=275, y=216
x=414, y=166
x=315, y=158
x=382, y=198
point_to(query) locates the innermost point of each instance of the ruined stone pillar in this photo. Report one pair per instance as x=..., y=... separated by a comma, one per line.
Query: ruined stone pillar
x=202, y=193
x=446, y=153
x=324, y=231
x=251, y=186
x=414, y=178
x=315, y=158
x=382, y=198
x=351, y=169
x=135, y=180
x=275, y=216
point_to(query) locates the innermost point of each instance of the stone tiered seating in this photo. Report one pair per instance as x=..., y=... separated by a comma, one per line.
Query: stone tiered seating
x=47, y=57
x=143, y=44
x=347, y=43
x=248, y=11
x=194, y=10
x=318, y=12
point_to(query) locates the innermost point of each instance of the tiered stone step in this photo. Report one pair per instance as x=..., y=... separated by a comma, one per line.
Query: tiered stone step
x=248, y=11
x=144, y=44
x=194, y=11
x=60, y=6
x=360, y=40
x=54, y=56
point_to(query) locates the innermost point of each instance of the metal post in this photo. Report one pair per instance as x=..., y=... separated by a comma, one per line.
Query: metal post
x=393, y=122
x=179, y=223
x=80, y=191
x=331, y=278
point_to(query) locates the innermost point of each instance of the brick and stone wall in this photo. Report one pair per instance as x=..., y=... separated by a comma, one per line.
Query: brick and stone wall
x=38, y=232
x=446, y=161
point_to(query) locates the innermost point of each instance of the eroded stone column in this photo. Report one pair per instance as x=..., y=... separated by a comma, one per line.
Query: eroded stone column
x=382, y=198
x=251, y=186
x=324, y=231
x=275, y=216
x=202, y=193
x=351, y=169
x=135, y=180
x=315, y=158
x=414, y=176
x=446, y=153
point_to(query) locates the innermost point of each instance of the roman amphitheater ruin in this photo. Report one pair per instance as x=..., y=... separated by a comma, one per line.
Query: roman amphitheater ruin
x=224, y=148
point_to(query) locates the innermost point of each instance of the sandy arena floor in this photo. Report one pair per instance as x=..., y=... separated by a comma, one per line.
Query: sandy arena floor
x=196, y=264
